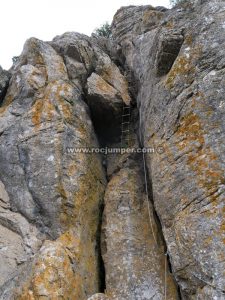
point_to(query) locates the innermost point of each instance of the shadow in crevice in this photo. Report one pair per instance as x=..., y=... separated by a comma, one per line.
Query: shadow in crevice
x=102, y=279
x=107, y=125
x=160, y=238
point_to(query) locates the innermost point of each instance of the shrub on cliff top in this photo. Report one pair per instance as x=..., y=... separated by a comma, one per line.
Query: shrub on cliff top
x=104, y=30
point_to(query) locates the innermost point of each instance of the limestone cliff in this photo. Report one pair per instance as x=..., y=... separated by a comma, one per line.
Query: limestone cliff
x=80, y=225
x=178, y=60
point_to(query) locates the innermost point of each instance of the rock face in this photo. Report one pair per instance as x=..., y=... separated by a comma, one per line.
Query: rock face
x=98, y=297
x=132, y=249
x=179, y=63
x=44, y=199
x=67, y=234
x=18, y=238
x=92, y=71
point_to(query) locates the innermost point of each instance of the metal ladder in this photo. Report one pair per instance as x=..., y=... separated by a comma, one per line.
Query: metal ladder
x=125, y=126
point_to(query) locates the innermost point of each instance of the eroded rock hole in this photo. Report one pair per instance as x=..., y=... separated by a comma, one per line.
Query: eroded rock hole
x=169, y=48
x=107, y=122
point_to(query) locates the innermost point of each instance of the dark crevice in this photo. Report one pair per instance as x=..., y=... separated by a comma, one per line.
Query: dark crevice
x=103, y=120
x=160, y=236
x=3, y=90
x=102, y=282
x=159, y=227
x=3, y=94
x=107, y=126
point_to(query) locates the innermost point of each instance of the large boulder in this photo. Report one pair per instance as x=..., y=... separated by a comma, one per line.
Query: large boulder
x=50, y=198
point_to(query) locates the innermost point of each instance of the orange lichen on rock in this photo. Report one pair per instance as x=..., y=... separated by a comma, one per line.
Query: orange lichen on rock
x=184, y=67
x=37, y=111
x=181, y=67
x=114, y=78
x=104, y=87
x=200, y=157
x=188, y=40
x=44, y=109
x=8, y=100
x=152, y=17
x=170, y=24
x=54, y=276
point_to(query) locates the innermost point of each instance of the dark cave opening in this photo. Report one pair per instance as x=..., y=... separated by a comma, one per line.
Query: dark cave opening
x=107, y=123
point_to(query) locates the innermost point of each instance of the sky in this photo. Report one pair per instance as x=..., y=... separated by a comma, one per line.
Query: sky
x=44, y=19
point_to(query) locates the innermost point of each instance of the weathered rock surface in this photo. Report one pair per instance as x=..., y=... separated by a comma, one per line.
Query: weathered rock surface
x=94, y=73
x=44, y=196
x=179, y=64
x=99, y=297
x=18, y=238
x=83, y=56
x=132, y=249
x=69, y=94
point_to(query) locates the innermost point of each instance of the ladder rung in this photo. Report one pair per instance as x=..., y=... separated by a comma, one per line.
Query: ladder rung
x=125, y=134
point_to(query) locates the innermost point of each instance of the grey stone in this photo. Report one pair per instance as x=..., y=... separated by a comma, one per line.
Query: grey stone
x=69, y=94
x=99, y=297
x=132, y=248
x=183, y=112
x=42, y=115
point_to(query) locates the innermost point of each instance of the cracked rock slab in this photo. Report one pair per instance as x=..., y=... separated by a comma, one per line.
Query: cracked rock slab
x=134, y=261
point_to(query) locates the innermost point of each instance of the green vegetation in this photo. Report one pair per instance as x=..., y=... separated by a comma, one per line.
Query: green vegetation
x=104, y=30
